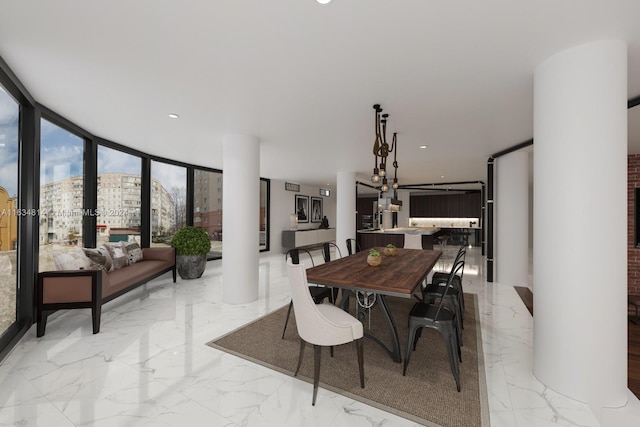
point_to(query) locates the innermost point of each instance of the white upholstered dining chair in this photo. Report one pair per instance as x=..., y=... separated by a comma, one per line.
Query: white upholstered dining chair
x=321, y=324
x=412, y=241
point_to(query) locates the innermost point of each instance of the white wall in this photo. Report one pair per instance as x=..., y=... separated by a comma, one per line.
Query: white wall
x=283, y=205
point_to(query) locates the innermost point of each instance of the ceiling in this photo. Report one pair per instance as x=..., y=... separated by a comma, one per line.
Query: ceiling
x=456, y=76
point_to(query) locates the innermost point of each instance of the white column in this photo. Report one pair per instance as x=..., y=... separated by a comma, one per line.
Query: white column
x=580, y=223
x=241, y=207
x=512, y=218
x=345, y=210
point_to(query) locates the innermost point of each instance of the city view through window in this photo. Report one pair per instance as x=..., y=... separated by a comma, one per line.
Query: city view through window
x=168, y=201
x=9, y=125
x=61, y=191
x=119, y=198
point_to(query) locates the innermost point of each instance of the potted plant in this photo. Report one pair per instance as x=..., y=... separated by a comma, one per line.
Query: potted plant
x=374, y=259
x=391, y=250
x=192, y=246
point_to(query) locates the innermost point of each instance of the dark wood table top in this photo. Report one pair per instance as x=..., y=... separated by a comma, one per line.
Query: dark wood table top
x=397, y=275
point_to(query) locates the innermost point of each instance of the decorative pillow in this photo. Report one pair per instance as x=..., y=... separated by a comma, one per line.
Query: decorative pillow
x=133, y=251
x=100, y=257
x=74, y=260
x=117, y=254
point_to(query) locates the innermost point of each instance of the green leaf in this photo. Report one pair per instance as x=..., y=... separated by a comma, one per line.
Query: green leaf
x=191, y=241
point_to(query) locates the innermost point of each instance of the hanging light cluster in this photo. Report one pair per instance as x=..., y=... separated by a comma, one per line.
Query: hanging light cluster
x=381, y=149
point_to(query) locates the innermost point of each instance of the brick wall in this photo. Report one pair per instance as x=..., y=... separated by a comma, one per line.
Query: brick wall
x=633, y=253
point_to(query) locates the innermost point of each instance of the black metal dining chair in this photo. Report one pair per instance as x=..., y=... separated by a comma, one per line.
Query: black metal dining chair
x=352, y=246
x=326, y=251
x=455, y=296
x=439, y=317
x=318, y=293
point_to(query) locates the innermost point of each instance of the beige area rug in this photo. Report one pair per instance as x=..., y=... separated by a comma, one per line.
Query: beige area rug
x=426, y=395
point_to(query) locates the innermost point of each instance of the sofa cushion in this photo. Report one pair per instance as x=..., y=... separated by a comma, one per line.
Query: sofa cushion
x=117, y=254
x=125, y=277
x=73, y=260
x=100, y=258
x=133, y=251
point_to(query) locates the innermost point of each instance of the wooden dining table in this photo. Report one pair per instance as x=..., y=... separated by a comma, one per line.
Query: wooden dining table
x=397, y=276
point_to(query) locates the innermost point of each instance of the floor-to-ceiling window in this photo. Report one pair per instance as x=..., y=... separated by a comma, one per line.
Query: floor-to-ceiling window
x=168, y=201
x=58, y=181
x=61, y=192
x=119, y=196
x=207, y=207
x=9, y=151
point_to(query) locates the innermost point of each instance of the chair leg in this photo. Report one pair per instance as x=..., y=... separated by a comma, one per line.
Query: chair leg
x=458, y=319
x=410, y=343
x=360, y=360
x=449, y=336
x=287, y=319
x=331, y=351
x=317, y=353
x=299, y=357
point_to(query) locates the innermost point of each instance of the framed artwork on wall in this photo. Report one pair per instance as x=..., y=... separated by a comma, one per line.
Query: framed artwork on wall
x=316, y=209
x=302, y=208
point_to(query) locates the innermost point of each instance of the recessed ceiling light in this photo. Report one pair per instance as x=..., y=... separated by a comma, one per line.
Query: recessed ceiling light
x=423, y=146
x=173, y=116
x=323, y=1
x=441, y=176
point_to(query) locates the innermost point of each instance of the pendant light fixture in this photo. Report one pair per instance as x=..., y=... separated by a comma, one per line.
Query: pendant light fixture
x=381, y=149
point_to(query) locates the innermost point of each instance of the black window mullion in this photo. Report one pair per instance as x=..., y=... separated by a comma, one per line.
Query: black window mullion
x=90, y=187
x=145, y=204
x=190, y=197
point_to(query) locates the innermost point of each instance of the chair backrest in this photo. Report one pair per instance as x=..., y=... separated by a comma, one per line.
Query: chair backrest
x=412, y=241
x=326, y=251
x=456, y=268
x=313, y=326
x=352, y=246
x=463, y=256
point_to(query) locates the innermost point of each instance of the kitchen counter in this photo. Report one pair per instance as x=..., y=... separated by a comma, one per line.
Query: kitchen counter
x=395, y=236
x=405, y=230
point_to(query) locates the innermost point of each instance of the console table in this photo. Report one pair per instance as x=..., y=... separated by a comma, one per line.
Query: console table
x=303, y=238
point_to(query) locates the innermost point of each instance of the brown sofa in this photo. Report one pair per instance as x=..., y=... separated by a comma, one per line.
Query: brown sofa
x=91, y=288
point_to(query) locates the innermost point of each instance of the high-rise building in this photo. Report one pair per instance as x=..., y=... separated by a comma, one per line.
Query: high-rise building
x=119, y=201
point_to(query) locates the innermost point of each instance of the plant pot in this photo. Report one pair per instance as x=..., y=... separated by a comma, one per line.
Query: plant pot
x=374, y=261
x=191, y=266
x=391, y=251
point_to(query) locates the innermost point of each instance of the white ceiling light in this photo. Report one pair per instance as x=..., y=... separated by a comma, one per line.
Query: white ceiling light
x=323, y=1
x=173, y=116
x=423, y=146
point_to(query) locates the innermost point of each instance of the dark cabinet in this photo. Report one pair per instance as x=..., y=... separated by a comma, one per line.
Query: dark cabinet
x=463, y=205
x=365, y=215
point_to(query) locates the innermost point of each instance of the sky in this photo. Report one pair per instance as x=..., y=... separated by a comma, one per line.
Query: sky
x=170, y=176
x=61, y=154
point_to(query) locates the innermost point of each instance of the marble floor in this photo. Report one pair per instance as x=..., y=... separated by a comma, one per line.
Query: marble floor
x=149, y=365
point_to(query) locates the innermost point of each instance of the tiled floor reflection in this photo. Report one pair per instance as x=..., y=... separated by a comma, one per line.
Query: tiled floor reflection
x=149, y=365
